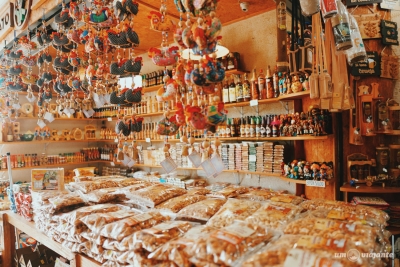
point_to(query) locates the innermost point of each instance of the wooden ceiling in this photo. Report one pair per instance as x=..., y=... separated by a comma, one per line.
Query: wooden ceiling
x=228, y=11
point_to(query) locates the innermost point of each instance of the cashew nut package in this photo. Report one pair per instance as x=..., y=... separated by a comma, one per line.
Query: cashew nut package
x=257, y=195
x=285, y=198
x=227, y=245
x=155, y=194
x=233, y=209
x=202, y=210
x=89, y=186
x=274, y=214
x=302, y=251
x=177, y=203
x=229, y=191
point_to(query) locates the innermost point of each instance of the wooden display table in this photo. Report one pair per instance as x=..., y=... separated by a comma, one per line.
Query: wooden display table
x=12, y=221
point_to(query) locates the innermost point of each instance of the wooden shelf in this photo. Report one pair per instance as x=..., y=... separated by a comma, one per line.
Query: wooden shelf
x=51, y=141
x=151, y=88
x=56, y=119
x=292, y=180
x=59, y=165
x=369, y=189
x=394, y=230
x=292, y=96
x=235, y=72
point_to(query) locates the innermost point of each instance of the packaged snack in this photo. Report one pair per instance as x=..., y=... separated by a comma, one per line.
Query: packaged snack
x=202, y=210
x=293, y=250
x=152, y=238
x=155, y=194
x=229, y=191
x=104, y=195
x=274, y=214
x=128, y=181
x=225, y=246
x=333, y=229
x=95, y=222
x=82, y=178
x=177, y=203
x=286, y=198
x=89, y=186
x=122, y=228
x=85, y=171
x=175, y=251
x=378, y=215
x=217, y=186
x=132, y=188
x=233, y=209
x=257, y=195
x=62, y=202
x=349, y=217
x=199, y=191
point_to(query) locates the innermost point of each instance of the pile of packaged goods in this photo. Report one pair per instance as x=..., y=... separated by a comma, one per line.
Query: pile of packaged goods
x=133, y=222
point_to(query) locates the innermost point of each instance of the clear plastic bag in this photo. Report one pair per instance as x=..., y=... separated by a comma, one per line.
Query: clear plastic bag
x=155, y=194
x=89, y=186
x=229, y=191
x=333, y=229
x=199, y=191
x=175, y=251
x=202, y=210
x=122, y=228
x=62, y=202
x=177, y=203
x=258, y=195
x=274, y=214
x=104, y=195
x=233, y=209
x=313, y=250
x=286, y=198
x=95, y=222
x=225, y=246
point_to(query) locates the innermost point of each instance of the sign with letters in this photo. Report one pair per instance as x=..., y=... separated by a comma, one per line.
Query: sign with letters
x=370, y=67
x=361, y=2
x=6, y=20
x=389, y=32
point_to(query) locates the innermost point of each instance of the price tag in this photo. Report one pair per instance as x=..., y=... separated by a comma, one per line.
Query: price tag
x=71, y=111
x=148, y=140
x=253, y=102
x=107, y=98
x=16, y=106
x=49, y=116
x=67, y=111
x=126, y=160
x=88, y=113
x=112, y=163
x=131, y=163
x=315, y=183
x=195, y=158
x=218, y=165
x=252, y=158
x=208, y=168
x=168, y=165
x=41, y=123
x=96, y=97
x=116, y=140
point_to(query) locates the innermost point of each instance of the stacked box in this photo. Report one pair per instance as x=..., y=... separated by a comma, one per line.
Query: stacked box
x=238, y=156
x=252, y=157
x=231, y=157
x=245, y=156
x=268, y=150
x=260, y=157
x=225, y=155
x=278, y=158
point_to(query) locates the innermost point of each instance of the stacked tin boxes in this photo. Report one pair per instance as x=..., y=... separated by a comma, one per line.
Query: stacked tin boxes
x=252, y=157
x=278, y=158
x=225, y=155
x=260, y=157
x=245, y=157
x=238, y=156
x=268, y=149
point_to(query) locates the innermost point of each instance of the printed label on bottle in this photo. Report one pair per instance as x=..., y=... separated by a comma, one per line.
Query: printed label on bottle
x=246, y=91
x=341, y=32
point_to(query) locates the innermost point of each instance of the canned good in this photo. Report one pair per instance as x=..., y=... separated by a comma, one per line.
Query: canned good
x=341, y=32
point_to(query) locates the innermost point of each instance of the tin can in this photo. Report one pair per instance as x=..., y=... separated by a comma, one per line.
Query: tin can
x=341, y=32
x=329, y=8
x=382, y=159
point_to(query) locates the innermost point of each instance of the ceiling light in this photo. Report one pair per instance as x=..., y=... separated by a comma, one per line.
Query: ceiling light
x=220, y=51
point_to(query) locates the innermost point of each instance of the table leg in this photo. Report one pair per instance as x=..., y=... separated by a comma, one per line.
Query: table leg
x=9, y=242
x=345, y=197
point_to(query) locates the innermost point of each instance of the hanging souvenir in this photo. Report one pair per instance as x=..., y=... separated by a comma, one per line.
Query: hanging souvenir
x=133, y=95
x=216, y=114
x=309, y=7
x=369, y=67
x=389, y=66
x=196, y=118
x=341, y=29
x=166, y=127
x=390, y=35
x=133, y=65
x=369, y=25
x=328, y=8
x=165, y=56
x=357, y=52
x=169, y=91
x=26, y=43
x=161, y=23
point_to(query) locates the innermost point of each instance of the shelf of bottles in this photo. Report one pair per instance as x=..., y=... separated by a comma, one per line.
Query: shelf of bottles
x=85, y=155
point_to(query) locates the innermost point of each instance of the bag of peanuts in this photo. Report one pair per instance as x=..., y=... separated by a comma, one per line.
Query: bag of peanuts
x=177, y=203
x=302, y=251
x=285, y=198
x=233, y=209
x=274, y=214
x=201, y=211
x=229, y=191
x=258, y=195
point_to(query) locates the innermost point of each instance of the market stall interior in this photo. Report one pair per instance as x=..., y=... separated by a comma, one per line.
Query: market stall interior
x=230, y=96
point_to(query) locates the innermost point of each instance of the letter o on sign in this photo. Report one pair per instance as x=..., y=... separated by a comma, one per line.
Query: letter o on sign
x=7, y=19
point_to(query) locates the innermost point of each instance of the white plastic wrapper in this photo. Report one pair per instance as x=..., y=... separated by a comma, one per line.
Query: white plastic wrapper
x=357, y=53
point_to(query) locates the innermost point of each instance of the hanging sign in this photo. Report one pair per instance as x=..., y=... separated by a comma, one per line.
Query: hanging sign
x=369, y=25
x=391, y=4
x=369, y=67
x=6, y=20
x=361, y=2
x=390, y=35
x=22, y=12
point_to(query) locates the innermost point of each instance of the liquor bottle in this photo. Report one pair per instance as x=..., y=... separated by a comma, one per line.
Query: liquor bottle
x=254, y=86
x=246, y=89
x=242, y=128
x=228, y=128
x=239, y=90
x=247, y=127
x=232, y=91
x=258, y=126
x=225, y=92
x=252, y=127
x=261, y=85
x=276, y=83
x=262, y=127
x=233, y=127
x=269, y=84
x=10, y=136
